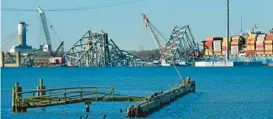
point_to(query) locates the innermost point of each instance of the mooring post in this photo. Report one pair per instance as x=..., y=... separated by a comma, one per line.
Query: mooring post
x=17, y=99
x=87, y=106
x=188, y=80
x=40, y=87
x=183, y=82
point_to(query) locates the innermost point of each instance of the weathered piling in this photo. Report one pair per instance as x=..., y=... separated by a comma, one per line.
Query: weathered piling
x=158, y=100
x=87, y=106
x=17, y=105
x=40, y=88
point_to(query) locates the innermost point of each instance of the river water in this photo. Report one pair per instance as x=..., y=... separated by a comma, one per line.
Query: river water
x=238, y=92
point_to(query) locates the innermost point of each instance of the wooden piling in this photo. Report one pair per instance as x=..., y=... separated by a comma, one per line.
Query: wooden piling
x=17, y=105
x=87, y=106
x=41, y=88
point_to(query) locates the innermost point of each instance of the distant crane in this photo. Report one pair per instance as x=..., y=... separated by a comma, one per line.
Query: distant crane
x=53, y=57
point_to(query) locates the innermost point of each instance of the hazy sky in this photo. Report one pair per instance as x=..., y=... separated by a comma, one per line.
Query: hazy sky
x=124, y=24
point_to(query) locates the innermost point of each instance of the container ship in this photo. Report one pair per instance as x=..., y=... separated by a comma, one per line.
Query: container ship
x=254, y=48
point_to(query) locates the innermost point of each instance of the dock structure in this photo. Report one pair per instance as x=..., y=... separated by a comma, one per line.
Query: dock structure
x=10, y=59
x=42, y=97
x=156, y=101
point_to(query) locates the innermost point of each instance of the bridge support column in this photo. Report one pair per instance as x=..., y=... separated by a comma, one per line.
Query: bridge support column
x=17, y=103
x=18, y=59
x=41, y=87
x=87, y=106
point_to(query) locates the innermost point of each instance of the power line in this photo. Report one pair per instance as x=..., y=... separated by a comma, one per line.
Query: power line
x=75, y=9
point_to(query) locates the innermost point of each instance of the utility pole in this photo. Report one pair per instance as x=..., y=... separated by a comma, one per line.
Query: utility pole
x=227, y=52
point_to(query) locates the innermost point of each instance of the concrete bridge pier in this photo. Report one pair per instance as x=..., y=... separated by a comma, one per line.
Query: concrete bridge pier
x=2, y=59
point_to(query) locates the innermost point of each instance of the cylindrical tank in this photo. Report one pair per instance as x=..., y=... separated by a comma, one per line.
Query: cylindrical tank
x=22, y=34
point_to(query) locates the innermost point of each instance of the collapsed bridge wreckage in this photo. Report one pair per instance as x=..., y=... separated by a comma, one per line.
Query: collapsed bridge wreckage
x=96, y=50
x=181, y=48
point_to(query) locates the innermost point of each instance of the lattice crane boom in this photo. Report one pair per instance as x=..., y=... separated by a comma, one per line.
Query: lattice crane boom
x=151, y=28
x=46, y=31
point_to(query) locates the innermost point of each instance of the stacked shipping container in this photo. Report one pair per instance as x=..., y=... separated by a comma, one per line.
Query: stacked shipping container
x=251, y=44
x=217, y=46
x=208, y=43
x=256, y=44
x=224, y=46
x=234, y=45
x=268, y=44
x=260, y=44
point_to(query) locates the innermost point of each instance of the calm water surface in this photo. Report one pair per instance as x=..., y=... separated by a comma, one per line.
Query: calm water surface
x=240, y=92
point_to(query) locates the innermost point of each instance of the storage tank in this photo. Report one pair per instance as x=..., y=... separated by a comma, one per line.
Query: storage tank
x=22, y=34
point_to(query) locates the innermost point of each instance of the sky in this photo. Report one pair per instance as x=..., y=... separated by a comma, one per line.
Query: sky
x=124, y=24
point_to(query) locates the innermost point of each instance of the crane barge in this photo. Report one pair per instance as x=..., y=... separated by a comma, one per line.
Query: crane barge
x=53, y=59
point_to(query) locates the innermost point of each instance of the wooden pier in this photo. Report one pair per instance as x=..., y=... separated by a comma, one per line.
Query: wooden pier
x=42, y=97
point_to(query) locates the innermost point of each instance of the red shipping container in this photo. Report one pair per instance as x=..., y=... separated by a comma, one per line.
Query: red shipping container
x=224, y=48
x=269, y=36
x=259, y=45
x=251, y=52
x=208, y=44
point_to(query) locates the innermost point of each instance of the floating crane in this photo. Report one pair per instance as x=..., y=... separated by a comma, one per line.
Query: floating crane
x=53, y=59
x=179, y=49
x=154, y=31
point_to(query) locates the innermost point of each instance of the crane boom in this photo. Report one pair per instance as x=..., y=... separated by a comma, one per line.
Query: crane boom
x=45, y=27
x=155, y=39
x=62, y=43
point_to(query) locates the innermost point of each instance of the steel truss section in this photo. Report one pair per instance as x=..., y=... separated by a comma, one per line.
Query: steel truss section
x=28, y=60
x=96, y=50
x=181, y=45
